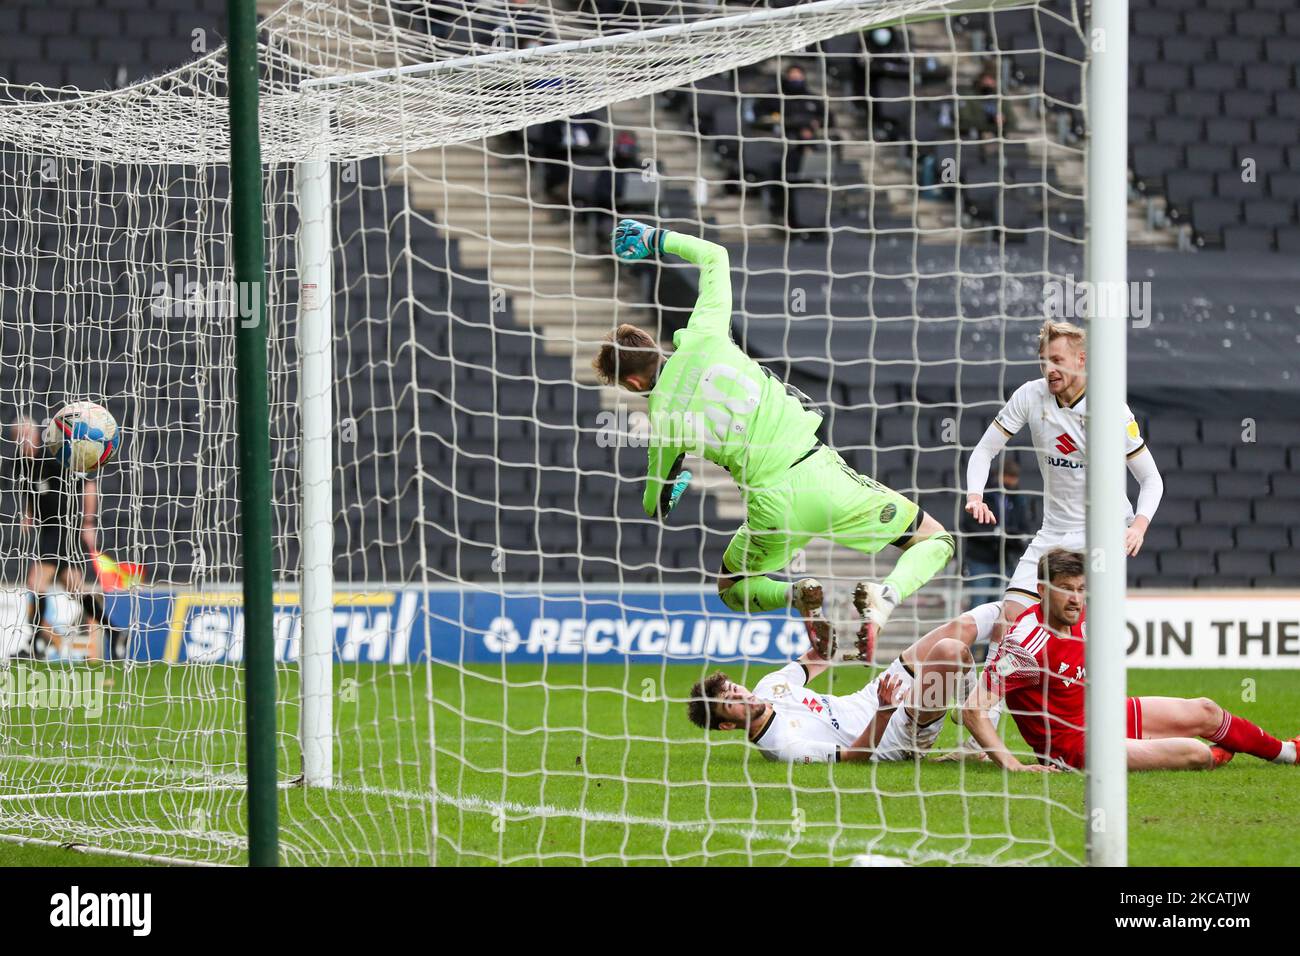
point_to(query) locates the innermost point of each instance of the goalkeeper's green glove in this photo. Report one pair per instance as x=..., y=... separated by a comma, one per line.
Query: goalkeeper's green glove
x=679, y=486
x=635, y=240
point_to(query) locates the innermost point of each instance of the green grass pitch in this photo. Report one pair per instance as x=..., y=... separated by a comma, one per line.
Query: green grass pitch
x=588, y=778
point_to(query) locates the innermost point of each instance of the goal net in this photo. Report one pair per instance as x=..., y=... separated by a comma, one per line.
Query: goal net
x=511, y=641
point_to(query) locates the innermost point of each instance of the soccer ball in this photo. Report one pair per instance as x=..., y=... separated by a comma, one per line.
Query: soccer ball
x=82, y=435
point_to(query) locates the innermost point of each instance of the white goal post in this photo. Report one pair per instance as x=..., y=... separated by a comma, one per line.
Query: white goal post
x=1106, y=252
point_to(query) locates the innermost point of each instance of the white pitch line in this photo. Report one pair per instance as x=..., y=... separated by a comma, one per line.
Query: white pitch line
x=477, y=804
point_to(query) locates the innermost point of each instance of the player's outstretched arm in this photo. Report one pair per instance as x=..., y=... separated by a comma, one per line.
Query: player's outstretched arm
x=712, y=315
x=974, y=716
x=977, y=472
x=1012, y=418
x=1151, y=488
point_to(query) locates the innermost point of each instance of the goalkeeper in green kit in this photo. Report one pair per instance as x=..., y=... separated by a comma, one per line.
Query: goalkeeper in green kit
x=709, y=398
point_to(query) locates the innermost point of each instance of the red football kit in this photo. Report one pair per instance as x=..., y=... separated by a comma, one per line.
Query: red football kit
x=1042, y=676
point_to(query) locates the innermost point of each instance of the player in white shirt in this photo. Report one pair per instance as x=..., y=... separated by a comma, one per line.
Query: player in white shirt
x=897, y=716
x=1054, y=407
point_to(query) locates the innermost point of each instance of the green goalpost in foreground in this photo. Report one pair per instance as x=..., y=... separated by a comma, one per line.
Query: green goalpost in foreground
x=246, y=221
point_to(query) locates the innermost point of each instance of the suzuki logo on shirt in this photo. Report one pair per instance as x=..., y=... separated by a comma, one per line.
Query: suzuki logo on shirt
x=1065, y=444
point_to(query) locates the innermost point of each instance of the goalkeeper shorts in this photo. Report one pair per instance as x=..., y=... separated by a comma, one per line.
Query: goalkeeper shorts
x=819, y=497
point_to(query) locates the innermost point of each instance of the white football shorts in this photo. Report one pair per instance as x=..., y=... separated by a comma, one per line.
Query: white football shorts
x=1023, y=588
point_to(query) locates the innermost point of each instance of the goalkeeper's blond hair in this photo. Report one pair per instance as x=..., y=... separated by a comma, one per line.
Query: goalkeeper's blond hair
x=1053, y=329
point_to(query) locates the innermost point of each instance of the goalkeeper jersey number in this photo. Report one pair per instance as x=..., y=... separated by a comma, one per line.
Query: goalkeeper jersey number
x=713, y=400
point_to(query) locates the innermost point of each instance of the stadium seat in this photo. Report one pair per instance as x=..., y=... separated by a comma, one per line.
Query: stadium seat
x=1285, y=484
x=1184, y=188
x=1160, y=537
x=1148, y=102
x=1259, y=457
x=1203, y=537
x=1186, y=564
x=1180, y=130
x=1284, y=513
x=1248, y=239
x=1236, y=49
x=1274, y=131
x=1262, y=537
x=1177, y=511
x=1193, y=484
x=1144, y=565
x=1256, y=23
x=1215, y=77
x=1198, y=104
x=1211, y=216
x=1156, y=23
x=1287, y=565
x=1170, y=430
x=1269, y=213
x=1221, y=510
x=1231, y=185
x=1288, y=240
x=1180, y=48
x=1172, y=77
x=1206, y=457
x=1228, y=129
x=1267, y=76
x=1207, y=23
x=1246, y=564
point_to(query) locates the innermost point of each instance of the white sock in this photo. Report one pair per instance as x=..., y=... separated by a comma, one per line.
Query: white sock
x=889, y=594
x=1287, y=753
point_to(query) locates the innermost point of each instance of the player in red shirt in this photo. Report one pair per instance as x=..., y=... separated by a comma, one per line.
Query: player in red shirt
x=1040, y=671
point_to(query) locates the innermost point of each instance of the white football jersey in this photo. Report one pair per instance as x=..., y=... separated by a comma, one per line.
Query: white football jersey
x=1060, y=439
x=808, y=727
x=805, y=726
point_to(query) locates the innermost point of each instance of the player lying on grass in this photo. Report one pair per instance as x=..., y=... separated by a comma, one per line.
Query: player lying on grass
x=897, y=716
x=1039, y=669
x=709, y=398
